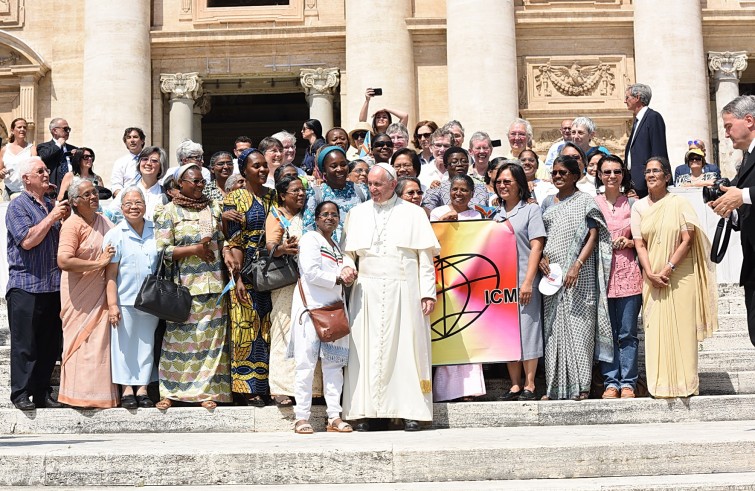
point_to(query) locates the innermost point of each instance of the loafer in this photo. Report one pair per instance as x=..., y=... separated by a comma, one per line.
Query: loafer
x=144, y=401
x=527, y=395
x=627, y=393
x=510, y=396
x=611, y=393
x=129, y=402
x=24, y=405
x=411, y=425
x=51, y=403
x=363, y=426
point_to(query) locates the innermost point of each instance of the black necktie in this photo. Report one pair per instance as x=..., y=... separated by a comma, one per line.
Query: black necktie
x=745, y=156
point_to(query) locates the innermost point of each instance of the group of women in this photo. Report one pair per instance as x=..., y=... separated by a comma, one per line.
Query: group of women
x=617, y=254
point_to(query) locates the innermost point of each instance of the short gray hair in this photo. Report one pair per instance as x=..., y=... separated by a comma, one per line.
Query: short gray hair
x=397, y=128
x=74, y=191
x=132, y=189
x=584, y=121
x=53, y=123
x=231, y=181
x=740, y=107
x=186, y=148
x=27, y=165
x=402, y=182
x=527, y=128
x=480, y=136
x=642, y=92
x=283, y=136
x=453, y=123
x=146, y=152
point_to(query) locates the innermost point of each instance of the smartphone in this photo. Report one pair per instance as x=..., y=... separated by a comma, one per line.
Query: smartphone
x=495, y=143
x=378, y=91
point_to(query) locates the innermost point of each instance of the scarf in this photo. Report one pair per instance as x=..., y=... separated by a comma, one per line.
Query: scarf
x=191, y=203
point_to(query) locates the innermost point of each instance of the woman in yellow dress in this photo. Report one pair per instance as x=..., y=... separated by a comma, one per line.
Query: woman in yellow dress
x=679, y=299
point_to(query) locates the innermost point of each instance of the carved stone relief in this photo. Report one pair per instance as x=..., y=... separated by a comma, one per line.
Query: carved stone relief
x=575, y=79
x=12, y=13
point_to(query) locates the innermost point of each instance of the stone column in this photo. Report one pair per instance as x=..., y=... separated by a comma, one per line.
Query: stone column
x=319, y=87
x=379, y=54
x=676, y=73
x=201, y=107
x=482, y=66
x=725, y=70
x=116, y=77
x=183, y=89
x=27, y=104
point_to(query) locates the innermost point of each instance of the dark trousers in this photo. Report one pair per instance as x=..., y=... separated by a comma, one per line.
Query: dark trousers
x=36, y=337
x=750, y=304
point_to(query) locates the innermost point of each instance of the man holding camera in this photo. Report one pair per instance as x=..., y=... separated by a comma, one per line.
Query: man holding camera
x=739, y=123
x=56, y=153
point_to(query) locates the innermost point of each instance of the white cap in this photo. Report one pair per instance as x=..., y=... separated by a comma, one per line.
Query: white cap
x=551, y=284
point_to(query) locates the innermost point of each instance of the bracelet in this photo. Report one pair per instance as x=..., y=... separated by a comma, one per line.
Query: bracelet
x=580, y=262
x=671, y=265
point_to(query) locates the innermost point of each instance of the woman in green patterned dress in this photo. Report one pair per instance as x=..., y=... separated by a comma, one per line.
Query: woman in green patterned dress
x=250, y=310
x=194, y=358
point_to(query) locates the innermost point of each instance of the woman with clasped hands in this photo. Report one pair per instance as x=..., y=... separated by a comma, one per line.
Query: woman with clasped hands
x=678, y=296
x=85, y=379
x=322, y=278
x=133, y=337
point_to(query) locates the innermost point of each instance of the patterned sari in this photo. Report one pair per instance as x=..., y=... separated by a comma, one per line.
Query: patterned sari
x=675, y=318
x=250, y=318
x=576, y=327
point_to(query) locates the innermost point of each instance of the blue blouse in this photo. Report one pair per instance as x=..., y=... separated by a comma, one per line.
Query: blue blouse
x=137, y=255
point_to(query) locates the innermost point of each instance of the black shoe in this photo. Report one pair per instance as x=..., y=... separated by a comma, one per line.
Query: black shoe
x=363, y=425
x=129, y=402
x=144, y=401
x=51, y=403
x=510, y=396
x=25, y=405
x=411, y=425
x=527, y=395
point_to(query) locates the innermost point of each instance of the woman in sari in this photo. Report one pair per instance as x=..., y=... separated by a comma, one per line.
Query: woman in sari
x=194, y=358
x=678, y=295
x=250, y=310
x=576, y=327
x=85, y=379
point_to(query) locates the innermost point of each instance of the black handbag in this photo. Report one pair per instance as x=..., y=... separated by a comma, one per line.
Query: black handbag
x=265, y=272
x=162, y=297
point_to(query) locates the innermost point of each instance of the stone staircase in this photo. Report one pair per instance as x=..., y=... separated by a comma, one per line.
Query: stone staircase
x=704, y=442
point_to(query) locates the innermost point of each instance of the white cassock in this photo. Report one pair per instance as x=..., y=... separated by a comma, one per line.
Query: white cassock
x=389, y=369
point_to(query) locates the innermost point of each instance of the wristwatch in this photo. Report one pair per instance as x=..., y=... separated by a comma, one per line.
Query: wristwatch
x=671, y=265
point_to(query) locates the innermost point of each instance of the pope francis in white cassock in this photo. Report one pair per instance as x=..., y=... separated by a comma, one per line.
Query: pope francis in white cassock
x=392, y=244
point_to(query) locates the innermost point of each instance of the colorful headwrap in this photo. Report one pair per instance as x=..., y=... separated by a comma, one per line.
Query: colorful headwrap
x=324, y=152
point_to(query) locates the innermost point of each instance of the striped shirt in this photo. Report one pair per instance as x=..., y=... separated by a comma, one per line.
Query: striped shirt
x=35, y=270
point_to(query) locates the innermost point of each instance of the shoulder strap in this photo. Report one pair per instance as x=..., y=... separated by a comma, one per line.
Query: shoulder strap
x=318, y=195
x=360, y=193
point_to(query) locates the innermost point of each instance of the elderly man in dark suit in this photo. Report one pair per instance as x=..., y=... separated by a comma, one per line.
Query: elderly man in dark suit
x=56, y=153
x=739, y=123
x=648, y=136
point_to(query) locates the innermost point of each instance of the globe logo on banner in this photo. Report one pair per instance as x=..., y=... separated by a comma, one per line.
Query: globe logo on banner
x=455, y=279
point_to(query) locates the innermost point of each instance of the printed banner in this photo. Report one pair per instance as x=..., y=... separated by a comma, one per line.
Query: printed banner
x=476, y=318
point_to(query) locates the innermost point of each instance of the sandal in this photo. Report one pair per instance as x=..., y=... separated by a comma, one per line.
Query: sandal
x=302, y=427
x=283, y=401
x=339, y=426
x=209, y=405
x=164, y=404
x=256, y=401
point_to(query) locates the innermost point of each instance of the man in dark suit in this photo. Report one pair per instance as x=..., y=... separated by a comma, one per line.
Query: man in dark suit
x=647, y=138
x=56, y=153
x=739, y=123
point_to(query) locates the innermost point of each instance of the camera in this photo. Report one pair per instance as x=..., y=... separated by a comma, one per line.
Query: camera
x=713, y=192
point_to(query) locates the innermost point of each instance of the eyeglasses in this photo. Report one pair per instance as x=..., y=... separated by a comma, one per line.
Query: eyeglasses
x=89, y=194
x=195, y=157
x=419, y=192
x=458, y=162
x=150, y=161
x=422, y=136
x=613, y=172
x=224, y=163
x=132, y=204
x=382, y=144
x=329, y=215
x=504, y=182
x=518, y=135
x=559, y=173
x=67, y=129
x=41, y=171
x=297, y=191
x=361, y=171
x=653, y=171
x=695, y=157
x=87, y=157
x=196, y=182
x=359, y=135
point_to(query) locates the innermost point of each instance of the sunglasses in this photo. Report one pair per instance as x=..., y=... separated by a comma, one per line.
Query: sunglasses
x=613, y=172
x=360, y=135
x=695, y=157
x=504, y=182
x=67, y=129
x=559, y=173
x=414, y=193
x=87, y=157
x=424, y=135
x=382, y=144
x=694, y=142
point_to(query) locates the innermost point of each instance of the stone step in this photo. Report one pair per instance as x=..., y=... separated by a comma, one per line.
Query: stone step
x=469, y=454
x=690, y=482
x=227, y=419
x=726, y=361
x=728, y=341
